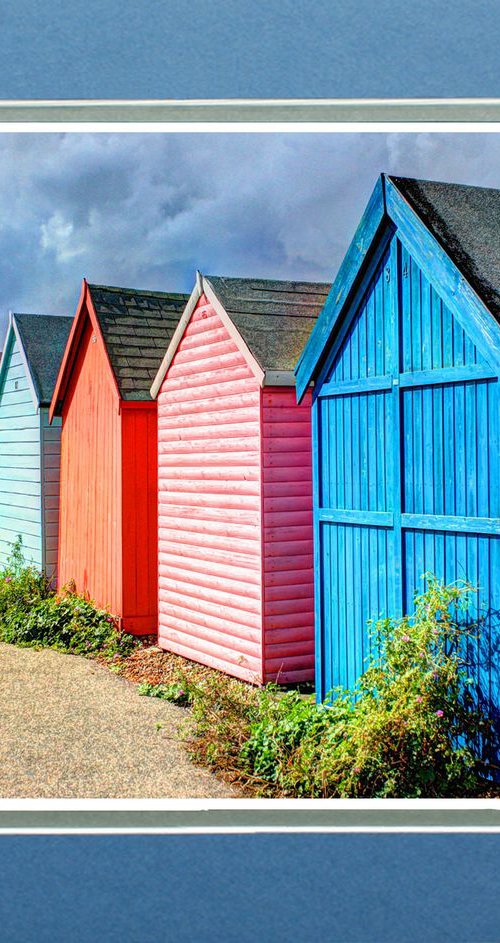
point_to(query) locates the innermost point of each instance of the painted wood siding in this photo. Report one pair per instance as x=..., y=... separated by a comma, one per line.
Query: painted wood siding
x=51, y=468
x=90, y=496
x=406, y=468
x=140, y=518
x=287, y=536
x=210, y=540
x=20, y=476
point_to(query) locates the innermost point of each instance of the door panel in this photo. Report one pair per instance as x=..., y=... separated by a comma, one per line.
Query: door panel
x=357, y=561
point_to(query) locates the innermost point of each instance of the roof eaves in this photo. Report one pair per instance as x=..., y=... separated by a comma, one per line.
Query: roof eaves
x=177, y=336
x=257, y=368
x=85, y=308
x=457, y=292
x=9, y=336
x=30, y=376
x=347, y=275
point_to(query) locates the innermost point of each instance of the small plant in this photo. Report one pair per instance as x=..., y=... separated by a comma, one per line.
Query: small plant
x=176, y=692
x=21, y=585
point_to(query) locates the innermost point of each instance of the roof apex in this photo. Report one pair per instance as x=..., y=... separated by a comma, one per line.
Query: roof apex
x=269, y=320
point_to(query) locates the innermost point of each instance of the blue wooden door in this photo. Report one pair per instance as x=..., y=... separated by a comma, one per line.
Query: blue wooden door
x=406, y=469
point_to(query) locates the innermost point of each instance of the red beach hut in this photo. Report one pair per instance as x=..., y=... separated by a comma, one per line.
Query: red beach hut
x=235, y=491
x=108, y=492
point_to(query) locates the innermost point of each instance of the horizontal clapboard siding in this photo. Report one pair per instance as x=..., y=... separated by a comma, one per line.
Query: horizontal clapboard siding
x=20, y=462
x=210, y=538
x=51, y=467
x=287, y=536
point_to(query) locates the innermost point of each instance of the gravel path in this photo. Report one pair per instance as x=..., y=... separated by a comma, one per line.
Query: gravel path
x=72, y=729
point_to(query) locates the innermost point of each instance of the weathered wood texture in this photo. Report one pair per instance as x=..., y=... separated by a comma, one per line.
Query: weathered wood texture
x=90, y=537
x=20, y=461
x=109, y=493
x=140, y=518
x=288, y=630
x=234, y=512
x=406, y=465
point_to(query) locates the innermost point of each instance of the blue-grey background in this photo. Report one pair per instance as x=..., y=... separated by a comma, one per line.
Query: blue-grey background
x=279, y=888
x=235, y=49
x=243, y=889
x=146, y=210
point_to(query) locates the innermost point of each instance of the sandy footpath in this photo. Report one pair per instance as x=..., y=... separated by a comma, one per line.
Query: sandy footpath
x=72, y=729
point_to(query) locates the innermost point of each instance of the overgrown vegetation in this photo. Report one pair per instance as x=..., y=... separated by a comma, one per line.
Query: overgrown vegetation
x=410, y=729
x=33, y=614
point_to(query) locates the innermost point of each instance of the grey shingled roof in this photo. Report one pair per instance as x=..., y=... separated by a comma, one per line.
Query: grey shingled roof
x=466, y=221
x=43, y=337
x=137, y=327
x=274, y=318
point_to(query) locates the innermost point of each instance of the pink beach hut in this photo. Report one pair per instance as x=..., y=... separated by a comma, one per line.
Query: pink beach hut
x=235, y=489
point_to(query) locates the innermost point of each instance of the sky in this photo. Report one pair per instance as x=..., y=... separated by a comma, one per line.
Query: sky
x=146, y=210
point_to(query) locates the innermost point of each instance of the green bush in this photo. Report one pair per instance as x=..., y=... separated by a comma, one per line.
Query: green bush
x=31, y=613
x=410, y=728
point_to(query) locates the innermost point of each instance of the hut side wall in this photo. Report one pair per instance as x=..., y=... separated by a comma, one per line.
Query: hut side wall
x=90, y=495
x=287, y=536
x=140, y=518
x=51, y=467
x=20, y=487
x=210, y=548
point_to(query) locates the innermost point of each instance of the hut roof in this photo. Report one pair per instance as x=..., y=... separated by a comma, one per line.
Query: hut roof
x=136, y=326
x=466, y=221
x=43, y=337
x=274, y=318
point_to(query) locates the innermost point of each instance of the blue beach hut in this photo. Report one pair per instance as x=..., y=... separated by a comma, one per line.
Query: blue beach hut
x=405, y=360
x=29, y=446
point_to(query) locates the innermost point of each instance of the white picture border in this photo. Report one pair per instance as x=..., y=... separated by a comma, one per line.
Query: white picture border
x=227, y=816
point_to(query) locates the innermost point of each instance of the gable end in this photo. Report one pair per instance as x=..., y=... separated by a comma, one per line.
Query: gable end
x=388, y=208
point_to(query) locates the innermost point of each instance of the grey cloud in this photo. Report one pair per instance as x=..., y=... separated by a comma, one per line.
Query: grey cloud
x=145, y=210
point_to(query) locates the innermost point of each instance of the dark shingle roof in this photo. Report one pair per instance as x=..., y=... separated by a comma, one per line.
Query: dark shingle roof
x=44, y=338
x=466, y=221
x=137, y=327
x=274, y=318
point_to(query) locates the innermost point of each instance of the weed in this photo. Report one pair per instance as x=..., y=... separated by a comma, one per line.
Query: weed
x=175, y=692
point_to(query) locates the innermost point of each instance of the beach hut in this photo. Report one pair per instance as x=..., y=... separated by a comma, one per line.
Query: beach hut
x=405, y=359
x=108, y=501
x=235, y=501
x=29, y=446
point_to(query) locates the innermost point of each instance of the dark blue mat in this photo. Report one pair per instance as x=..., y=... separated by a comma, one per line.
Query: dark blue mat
x=243, y=888
x=236, y=49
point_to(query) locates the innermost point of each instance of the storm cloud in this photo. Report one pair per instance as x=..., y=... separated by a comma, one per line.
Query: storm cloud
x=146, y=210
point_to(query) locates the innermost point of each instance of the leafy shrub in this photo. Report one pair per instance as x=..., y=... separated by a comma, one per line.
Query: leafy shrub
x=409, y=729
x=31, y=613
